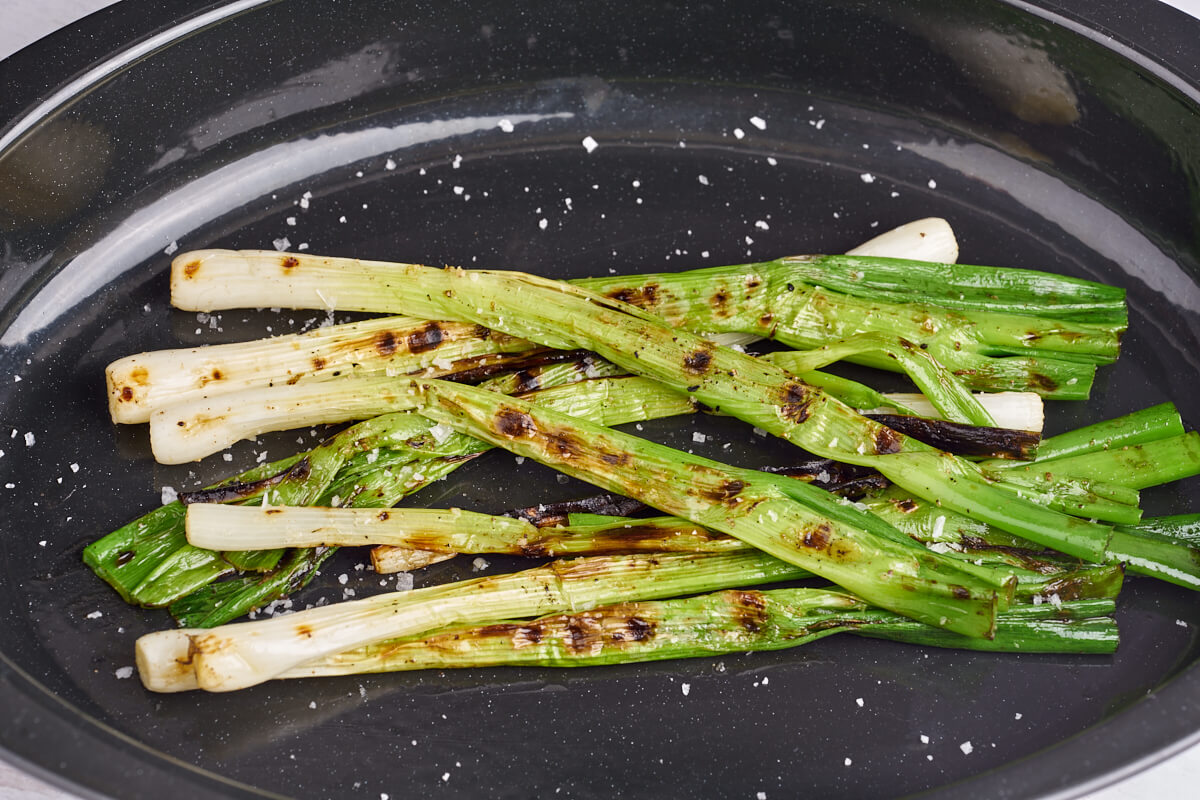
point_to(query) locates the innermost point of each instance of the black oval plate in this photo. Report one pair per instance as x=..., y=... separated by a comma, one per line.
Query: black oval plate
x=461, y=133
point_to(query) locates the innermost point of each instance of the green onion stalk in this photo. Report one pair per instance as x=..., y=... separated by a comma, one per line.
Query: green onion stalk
x=967, y=324
x=715, y=624
x=142, y=383
x=566, y=317
x=990, y=351
x=243, y=654
x=453, y=531
x=966, y=288
x=819, y=533
x=374, y=464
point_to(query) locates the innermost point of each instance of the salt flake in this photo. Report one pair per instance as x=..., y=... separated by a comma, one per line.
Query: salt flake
x=441, y=432
x=589, y=143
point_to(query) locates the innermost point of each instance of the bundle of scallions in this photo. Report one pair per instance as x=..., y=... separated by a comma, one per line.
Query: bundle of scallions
x=938, y=517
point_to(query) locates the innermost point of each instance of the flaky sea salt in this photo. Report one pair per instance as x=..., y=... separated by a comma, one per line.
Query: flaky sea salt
x=169, y=495
x=505, y=125
x=686, y=688
x=123, y=673
x=759, y=123
x=966, y=748
x=589, y=143
x=867, y=177
x=281, y=243
x=441, y=432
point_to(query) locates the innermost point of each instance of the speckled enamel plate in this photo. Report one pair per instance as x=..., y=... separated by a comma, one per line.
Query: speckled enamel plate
x=569, y=139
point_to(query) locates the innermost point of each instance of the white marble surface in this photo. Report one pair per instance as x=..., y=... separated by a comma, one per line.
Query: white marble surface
x=25, y=21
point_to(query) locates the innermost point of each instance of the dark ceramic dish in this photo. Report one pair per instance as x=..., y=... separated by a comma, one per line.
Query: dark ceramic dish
x=1063, y=136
